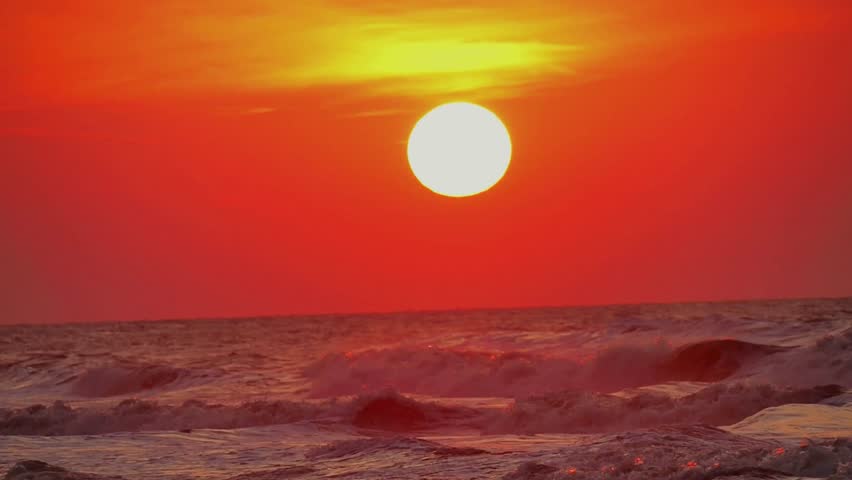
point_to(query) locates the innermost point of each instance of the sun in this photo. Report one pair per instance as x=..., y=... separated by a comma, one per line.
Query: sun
x=459, y=149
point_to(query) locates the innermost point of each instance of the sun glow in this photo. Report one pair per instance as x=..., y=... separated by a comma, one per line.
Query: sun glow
x=459, y=149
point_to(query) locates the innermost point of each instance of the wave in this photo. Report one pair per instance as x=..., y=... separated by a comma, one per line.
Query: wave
x=827, y=360
x=714, y=360
x=121, y=380
x=690, y=453
x=565, y=412
x=665, y=453
x=368, y=446
x=134, y=415
x=585, y=412
x=388, y=410
x=30, y=469
x=465, y=373
x=385, y=410
x=275, y=474
x=95, y=375
x=36, y=469
x=37, y=369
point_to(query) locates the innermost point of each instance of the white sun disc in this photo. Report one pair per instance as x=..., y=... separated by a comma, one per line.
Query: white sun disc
x=459, y=149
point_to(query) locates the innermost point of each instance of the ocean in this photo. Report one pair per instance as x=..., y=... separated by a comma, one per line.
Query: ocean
x=734, y=390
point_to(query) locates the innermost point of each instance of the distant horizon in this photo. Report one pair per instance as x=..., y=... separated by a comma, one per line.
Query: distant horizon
x=273, y=316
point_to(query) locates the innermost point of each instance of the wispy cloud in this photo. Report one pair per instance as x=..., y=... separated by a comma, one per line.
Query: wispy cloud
x=258, y=110
x=386, y=112
x=409, y=48
x=405, y=48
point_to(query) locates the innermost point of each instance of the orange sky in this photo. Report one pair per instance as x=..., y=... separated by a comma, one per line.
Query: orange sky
x=168, y=159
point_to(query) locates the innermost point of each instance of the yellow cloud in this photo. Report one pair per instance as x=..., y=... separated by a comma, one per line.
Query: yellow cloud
x=408, y=48
x=391, y=50
x=104, y=49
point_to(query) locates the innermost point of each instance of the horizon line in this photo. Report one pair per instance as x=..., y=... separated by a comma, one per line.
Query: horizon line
x=365, y=313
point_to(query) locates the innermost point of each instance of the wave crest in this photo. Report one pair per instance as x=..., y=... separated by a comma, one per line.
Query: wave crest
x=385, y=410
x=137, y=415
x=388, y=410
x=122, y=380
x=464, y=373
x=564, y=412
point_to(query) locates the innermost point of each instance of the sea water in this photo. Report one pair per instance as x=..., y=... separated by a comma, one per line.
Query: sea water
x=731, y=390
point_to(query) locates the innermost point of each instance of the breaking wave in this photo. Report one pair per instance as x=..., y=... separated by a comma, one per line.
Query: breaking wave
x=391, y=411
x=387, y=411
x=96, y=375
x=826, y=360
x=454, y=373
x=565, y=412
x=122, y=380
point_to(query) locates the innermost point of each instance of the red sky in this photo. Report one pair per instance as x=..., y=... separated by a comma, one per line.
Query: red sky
x=165, y=160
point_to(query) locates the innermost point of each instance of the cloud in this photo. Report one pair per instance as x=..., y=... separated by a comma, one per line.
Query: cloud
x=426, y=50
x=406, y=48
x=385, y=112
x=410, y=48
x=258, y=110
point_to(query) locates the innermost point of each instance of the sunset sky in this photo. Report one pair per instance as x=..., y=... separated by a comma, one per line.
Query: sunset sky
x=175, y=158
